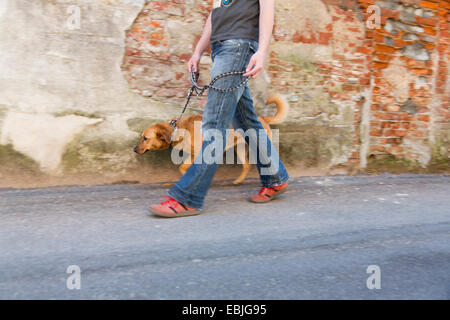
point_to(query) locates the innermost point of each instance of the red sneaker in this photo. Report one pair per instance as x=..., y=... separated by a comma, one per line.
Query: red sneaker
x=267, y=194
x=171, y=208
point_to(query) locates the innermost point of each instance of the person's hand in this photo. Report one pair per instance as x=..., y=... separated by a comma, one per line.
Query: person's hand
x=194, y=61
x=255, y=65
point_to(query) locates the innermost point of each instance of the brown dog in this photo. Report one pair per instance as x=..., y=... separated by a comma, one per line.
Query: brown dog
x=161, y=135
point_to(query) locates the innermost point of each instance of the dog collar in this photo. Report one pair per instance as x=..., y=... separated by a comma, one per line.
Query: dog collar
x=175, y=128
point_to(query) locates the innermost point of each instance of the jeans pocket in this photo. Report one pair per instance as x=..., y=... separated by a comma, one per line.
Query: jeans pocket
x=253, y=47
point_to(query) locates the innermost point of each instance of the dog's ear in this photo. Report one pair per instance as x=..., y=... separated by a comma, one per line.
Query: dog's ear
x=164, y=135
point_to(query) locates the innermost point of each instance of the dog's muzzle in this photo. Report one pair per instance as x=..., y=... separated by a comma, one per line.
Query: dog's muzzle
x=136, y=150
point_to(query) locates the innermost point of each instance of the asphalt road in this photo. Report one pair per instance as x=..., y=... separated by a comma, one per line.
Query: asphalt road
x=315, y=242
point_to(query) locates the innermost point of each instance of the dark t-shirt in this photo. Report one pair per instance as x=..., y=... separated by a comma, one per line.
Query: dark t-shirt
x=235, y=19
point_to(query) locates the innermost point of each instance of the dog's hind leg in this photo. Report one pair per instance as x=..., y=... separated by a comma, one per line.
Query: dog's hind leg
x=242, y=155
x=183, y=168
x=186, y=164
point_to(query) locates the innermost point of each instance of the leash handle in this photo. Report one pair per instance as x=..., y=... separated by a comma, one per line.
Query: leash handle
x=194, y=78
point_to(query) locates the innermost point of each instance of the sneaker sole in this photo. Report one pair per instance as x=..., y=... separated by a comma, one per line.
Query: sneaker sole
x=175, y=215
x=269, y=199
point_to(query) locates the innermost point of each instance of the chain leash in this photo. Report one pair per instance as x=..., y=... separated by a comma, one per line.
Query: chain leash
x=200, y=90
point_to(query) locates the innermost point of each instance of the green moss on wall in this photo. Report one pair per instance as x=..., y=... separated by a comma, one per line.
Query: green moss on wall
x=439, y=165
x=300, y=62
x=313, y=145
x=96, y=155
x=78, y=113
x=440, y=154
x=392, y=164
x=16, y=162
x=396, y=165
x=139, y=124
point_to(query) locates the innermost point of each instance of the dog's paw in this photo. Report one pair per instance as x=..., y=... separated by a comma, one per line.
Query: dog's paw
x=237, y=181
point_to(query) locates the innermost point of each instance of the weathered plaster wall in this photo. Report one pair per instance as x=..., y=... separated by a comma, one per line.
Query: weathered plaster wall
x=74, y=101
x=64, y=102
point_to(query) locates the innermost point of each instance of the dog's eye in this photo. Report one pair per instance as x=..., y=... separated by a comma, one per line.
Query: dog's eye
x=145, y=138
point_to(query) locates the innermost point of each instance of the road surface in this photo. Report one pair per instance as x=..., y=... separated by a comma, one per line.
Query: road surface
x=315, y=242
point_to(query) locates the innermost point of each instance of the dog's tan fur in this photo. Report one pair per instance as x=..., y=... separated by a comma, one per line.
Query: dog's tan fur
x=159, y=136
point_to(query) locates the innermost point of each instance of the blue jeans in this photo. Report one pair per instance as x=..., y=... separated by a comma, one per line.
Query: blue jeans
x=222, y=110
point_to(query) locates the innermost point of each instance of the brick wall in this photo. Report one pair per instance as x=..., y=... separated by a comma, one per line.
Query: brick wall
x=159, y=44
x=386, y=88
x=408, y=59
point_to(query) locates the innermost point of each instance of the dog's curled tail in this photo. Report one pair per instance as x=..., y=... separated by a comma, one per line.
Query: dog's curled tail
x=282, y=109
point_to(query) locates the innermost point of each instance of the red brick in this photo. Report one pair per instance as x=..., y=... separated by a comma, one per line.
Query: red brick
x=429, y=5
x=377, y=148
x=157, y=35
x=425, y=118
x=384, y=49
x=155, y=23
x=379, y=65
x=422, y=71
x=429, y=30
x=324, y=38
x=364, y=50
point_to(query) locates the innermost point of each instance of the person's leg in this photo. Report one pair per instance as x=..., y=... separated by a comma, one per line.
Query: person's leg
x=228, y=55
x=271, y=170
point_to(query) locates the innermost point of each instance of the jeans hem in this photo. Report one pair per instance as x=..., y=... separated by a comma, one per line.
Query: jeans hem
x=276, y=183
x=178, y=195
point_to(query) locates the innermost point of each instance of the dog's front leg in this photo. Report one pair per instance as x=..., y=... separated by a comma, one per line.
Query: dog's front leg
x=242, y=155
